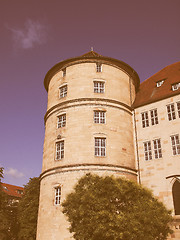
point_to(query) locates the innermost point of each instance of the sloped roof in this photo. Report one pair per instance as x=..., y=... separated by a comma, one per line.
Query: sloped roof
x=148, y=90
x=91, y=56
x=12, y=190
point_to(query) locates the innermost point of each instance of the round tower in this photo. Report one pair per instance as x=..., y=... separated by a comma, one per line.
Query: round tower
x=88, y=128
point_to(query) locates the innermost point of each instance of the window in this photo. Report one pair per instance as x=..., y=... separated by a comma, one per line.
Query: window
x=157, y=148
x=64, y=72
x=178, y=108
x=176, y=196
x=100, y=147
x=99, y=116
x=154, y=117
x=57, y=195
x=175, y=144
x=99, y=87
x=145, y=119
x=59, y=150
x=61, y=121
x=98, y=67
x=147, y=150
x=19, y=191
x=63, y=91
x=171, y=112
x=159, y=83
x=175, y=86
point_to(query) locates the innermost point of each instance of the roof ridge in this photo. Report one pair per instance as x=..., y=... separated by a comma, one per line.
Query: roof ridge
x=91, y=54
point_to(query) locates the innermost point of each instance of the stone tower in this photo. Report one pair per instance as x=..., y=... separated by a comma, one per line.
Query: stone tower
x=88, y=128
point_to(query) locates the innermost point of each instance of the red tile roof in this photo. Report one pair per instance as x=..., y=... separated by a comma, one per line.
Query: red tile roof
x=12, y=190
x=149, y=92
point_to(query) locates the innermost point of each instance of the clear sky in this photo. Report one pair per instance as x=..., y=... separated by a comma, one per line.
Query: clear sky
x=37, y=34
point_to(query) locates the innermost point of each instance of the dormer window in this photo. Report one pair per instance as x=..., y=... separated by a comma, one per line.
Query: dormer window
x=176, y=86
x=5, y=188
x=19, y=191
x=159, y=83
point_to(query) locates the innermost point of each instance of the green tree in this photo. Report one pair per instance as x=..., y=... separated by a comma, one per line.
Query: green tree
x=4, y=220
x=108, y=208
x=28, y=210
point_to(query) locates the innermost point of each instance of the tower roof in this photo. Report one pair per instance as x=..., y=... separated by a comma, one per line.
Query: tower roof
x=149, y=92
x=91, y=56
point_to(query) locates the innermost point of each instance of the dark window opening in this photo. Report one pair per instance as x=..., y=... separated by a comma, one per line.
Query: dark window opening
x=176, y=197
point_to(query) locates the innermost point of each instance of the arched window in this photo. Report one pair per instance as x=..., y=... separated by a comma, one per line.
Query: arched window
x=176, y=196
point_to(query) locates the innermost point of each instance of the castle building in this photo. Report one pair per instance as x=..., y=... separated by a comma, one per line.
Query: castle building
x=100, y=119
x=157, y=137
x=13, y=192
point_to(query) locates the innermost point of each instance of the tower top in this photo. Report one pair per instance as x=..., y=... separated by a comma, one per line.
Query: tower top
x=92, y=56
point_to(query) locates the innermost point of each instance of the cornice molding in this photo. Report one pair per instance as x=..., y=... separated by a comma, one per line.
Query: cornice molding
x=88, y=101
x=88, y=167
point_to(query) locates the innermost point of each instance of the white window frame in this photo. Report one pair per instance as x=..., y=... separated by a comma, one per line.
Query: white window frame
x=59, y=150
x=157, y=148
x=159, y=83
x=154, y=117
x=145, y=119
x=171, y=112
x=98, y=67
x=175, y=144
x=57, y=199
x=178, y=108
x=99, y=86
x=61, y=120
x=63, y=91
x=99, y=117
x=175, y=86
x=100, y=146
x=147, y=150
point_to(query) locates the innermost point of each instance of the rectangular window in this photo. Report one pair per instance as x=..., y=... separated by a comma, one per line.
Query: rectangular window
x=99, y=116
x=154, y=117
x=59, y=150
x=171, y=112
x=64, y=72
x=100, y=147
x=57, y=195
x=63, y=91
x=147, y=150
x=99, y=87
x=157, y=148
x=98, y=67
x=145, y=119
x=178, y=108
x=175, y=144
x=61, y=121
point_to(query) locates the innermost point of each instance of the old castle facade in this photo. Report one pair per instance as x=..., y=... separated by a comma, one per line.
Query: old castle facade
x=100, y=119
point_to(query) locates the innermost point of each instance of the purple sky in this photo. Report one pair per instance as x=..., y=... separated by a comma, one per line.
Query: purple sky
x=35, y=35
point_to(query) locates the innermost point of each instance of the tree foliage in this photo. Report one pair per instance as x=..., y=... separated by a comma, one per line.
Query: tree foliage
x=28, y=210
x=111, y=208
x=4, y=220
